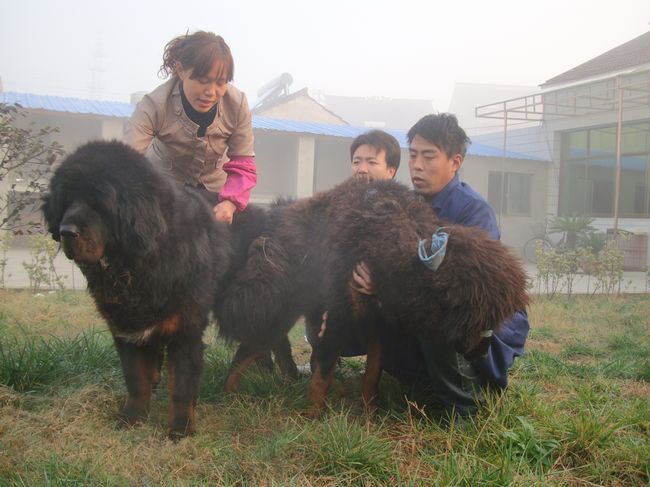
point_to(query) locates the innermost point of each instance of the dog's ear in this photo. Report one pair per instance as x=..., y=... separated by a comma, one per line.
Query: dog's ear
x=140, y=221
x=52, y=213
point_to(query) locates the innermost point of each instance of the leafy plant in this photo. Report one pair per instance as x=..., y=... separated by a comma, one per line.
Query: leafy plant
x=594, y=241
x=609, y=273
x=547, y=269
x=526, y=443
x=573, y=228
x=557, y=269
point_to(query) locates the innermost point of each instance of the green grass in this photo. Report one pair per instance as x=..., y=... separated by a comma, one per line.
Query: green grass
x=345, y=448
x=57, y=472
x=37, y=363
x=576, y=413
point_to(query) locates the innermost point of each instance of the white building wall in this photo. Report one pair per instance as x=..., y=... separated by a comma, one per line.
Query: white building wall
x=305, y=169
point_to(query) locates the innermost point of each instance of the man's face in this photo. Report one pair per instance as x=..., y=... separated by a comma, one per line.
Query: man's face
x=370, y=164
x=431, y=169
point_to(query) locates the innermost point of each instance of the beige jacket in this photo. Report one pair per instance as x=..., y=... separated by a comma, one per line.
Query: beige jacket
x=160, y=129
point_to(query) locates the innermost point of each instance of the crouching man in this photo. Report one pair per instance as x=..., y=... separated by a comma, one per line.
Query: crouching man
x=437, y=148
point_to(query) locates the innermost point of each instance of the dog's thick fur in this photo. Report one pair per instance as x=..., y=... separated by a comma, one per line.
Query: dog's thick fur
x=303, y=262
x=154, y=259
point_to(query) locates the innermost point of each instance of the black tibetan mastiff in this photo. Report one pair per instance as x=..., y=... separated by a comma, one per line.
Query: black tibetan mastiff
x=154, y=259
x=303, y=263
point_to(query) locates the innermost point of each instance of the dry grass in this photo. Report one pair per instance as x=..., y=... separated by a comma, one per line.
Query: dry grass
x=577, y=413
x=49, y=313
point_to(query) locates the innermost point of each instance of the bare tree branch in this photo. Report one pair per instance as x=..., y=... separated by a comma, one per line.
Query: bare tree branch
x=26, y=157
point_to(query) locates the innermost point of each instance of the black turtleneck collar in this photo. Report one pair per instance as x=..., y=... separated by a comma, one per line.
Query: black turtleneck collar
x=203, y=120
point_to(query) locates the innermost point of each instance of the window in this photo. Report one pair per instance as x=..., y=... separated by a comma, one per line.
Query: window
x=588, y=171
x=640, y=198
x=509, y=193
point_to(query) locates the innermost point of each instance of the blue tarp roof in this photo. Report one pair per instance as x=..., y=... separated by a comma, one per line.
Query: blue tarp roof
x=70, y=105
x=124, y=110
x=531, y=141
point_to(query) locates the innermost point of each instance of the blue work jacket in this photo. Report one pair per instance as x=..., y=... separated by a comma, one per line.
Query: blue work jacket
x=459, y=203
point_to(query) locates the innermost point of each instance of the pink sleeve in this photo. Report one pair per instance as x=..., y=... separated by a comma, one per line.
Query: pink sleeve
x=241, y=179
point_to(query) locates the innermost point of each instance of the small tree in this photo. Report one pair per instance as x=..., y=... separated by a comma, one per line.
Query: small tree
x=610, y=272
x=26, y=156
x=549, y=269
x=41, y=270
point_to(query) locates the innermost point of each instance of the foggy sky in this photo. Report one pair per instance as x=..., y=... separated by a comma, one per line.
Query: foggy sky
x=405, y=49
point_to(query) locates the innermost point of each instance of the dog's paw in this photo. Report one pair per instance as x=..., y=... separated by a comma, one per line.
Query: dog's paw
x=124, y=422
x=130, y=414
x=177, y=435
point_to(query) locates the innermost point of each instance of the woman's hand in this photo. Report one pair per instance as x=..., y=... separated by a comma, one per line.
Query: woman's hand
x=224, y=211
x=362, y=280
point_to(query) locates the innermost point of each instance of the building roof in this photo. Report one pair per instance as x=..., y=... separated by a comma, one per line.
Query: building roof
x=633, y=53
x=124, y=110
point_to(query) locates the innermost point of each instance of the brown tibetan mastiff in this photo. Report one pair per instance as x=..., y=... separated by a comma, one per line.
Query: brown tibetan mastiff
x=302, y=265
x=154, y=259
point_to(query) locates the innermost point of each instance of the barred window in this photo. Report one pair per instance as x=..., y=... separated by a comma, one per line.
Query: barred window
x=509, y=192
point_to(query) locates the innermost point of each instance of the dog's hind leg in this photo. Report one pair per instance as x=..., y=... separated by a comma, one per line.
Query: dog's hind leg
x=243, y=358
x=284, y=358
x=372, y=374
x=139, y=366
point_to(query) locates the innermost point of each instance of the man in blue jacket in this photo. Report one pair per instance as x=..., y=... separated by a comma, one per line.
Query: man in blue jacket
x=437, y=148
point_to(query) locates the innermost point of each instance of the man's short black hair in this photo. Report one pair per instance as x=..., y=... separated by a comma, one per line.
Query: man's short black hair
x=380, y=140
x=442, y=130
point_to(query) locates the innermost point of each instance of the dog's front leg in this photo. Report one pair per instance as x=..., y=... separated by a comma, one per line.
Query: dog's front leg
x=140, y=367
x=184, y=367
x=370, y=390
